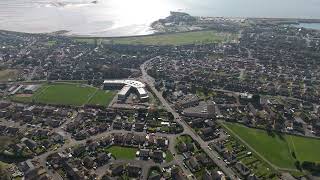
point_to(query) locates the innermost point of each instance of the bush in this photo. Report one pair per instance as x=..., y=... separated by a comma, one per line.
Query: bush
x=311, y=166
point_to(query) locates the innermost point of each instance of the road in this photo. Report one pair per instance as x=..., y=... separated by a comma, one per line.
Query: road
x=187, y=129
x=146, y=165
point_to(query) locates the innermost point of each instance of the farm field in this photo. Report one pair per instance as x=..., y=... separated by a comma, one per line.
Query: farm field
x=68, y=94
x=194, y=37
x=278, y=148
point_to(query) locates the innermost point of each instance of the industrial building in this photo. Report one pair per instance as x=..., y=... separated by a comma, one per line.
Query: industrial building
x=127, y=86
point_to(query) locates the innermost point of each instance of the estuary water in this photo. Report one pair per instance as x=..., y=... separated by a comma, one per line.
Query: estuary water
x=315, y=26
x=133, y=17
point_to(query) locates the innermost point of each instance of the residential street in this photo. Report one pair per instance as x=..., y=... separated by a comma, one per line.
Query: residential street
x=187, y=130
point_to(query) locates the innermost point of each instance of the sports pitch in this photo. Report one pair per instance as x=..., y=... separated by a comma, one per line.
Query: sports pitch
x=278, y=148
x=69, y=94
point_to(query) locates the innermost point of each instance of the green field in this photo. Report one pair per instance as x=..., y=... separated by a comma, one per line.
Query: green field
x=278, y=148
x=68, y=94
x=120, y=152
x=195, y=37
x=102, y=98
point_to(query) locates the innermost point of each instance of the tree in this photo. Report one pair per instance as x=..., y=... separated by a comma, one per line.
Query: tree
x=298, y=165
x=170, y=116
x=294, y=155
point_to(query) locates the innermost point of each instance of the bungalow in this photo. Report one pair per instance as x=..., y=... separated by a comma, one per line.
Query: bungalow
x=42, y=133
x=218, y=146
x=162, y=142
x=252, y=177
x=139, y=139
x=203, y=159
x=26, y=166
x=78, y=151
x=72, y=172
x=12, y=131
x=143, y=154
x=157, y=155
x=29, y=143
x=102, y=158
x=117, y=170
x=218, y=175
x=128, y=138
x=3, y=129
x=193, y=164
x=93, y=145
x=154, y=177
x=117, y=125
x=183, y=147
x=16, y=147
x=242, y=169
x=3, y=113
x=53, y=123
x=206, y=133
x=133, y=171
x=127, y=126
x=214, y=175
x=4, y=104
x=105, y=141
x=230, y=157
x=88, y=162
x=177, y=174
x=197, y=123
x=139, y=127
x=210, y=123
x=118, y=138
x=81, y=135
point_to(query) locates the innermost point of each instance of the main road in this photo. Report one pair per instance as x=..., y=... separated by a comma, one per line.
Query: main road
x=187, y=129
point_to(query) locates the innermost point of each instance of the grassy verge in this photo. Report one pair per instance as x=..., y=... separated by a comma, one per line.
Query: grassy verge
x=169, y=156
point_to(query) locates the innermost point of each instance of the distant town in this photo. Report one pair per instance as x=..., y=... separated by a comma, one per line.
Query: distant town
x=206, y=98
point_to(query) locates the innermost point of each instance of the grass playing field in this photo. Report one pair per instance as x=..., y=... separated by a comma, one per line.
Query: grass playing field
x=101, y=98
x=122, y=152
x=69, y=94
x=195, y=37
x=278, y=148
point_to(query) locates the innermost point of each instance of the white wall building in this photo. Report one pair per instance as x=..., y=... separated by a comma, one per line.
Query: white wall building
x=128, y=85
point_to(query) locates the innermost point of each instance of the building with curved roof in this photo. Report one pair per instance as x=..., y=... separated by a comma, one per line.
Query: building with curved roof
x=127, y=85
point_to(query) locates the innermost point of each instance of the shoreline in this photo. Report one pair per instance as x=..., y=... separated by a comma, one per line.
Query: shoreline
x=276, y=21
